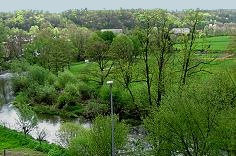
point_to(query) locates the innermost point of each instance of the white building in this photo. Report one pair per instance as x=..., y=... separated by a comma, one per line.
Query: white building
x=178, y=31
x=115, y=31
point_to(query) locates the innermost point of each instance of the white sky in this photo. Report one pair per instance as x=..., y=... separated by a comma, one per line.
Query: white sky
x=62, y=5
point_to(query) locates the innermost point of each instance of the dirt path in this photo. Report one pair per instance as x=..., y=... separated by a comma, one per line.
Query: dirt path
x=225, y=56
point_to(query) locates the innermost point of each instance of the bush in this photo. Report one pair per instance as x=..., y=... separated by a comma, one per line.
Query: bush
x=121, y=99
x=97, y=141
x=64, y=78
x=69, y=96
x=21, y=99
x=94, y=108
x=46, y=94
x=38, y=74
x=87, y=91
x=20, y=83
x=19, y=65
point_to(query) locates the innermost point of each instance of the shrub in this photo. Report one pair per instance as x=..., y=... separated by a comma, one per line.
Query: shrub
x=64, y=78
x=93, y=108
x=38, y=74
x=20, y=83
x=19, y=65
x=46, y=94
x=69, y=96
x=97, y=141
x=121, y=99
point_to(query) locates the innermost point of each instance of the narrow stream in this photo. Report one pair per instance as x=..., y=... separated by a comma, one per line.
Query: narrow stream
x=9, y=114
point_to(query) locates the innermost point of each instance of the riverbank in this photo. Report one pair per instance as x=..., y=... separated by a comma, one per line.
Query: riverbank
x=12, y=140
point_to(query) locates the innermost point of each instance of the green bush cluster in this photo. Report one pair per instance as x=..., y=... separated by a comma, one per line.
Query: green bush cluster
x=63, y=93
x=97, y=140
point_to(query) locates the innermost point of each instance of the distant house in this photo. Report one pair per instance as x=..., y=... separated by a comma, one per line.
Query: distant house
x=179, y=31
x=115, y=31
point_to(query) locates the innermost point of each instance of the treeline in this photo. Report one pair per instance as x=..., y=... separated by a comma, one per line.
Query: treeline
x=98, y=19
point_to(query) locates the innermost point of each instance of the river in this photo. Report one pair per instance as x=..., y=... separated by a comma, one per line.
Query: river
x=9, y=114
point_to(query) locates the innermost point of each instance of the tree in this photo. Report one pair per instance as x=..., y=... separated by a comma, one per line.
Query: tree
x=163, y=49
x=107, y=36
x=122, y=50
x=79, y=37
x=27, y=119
x=98, y=51
x=3, y=37
x=69, y=131
x=156, y=41
x=15, y=43
x=144, y=33
x=41, y=135
x=191, y=65
x=51, y=50
x=193, y=121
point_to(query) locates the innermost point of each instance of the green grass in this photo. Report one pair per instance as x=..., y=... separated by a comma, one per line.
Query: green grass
x=23, y=151
x=217, y=44
x=12, y=140
x=79, y=67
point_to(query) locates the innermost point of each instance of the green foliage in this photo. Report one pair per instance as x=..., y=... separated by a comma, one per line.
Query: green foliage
x=121, y=99
x=96, y=48
x=46, y=95
x=191, y=121
x=50, y=49
x=97, y=141
x=101, y=135
x=68, y=131
x=3, y=36
x=122, y=48
x=64, y=78
x=10, y=139
x=21, y=99
x=107, y=36
x=19, y=65
x=37, y=84
x=69, y=96
x=38, y=74
x=93, y=108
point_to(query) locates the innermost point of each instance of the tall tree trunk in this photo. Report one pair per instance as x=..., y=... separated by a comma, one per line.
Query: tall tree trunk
x=147, y=71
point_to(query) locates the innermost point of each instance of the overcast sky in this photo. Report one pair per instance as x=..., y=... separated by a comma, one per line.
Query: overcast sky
x=62, y=5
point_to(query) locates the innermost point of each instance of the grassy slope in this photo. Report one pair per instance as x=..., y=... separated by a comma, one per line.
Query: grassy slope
x=17, y=143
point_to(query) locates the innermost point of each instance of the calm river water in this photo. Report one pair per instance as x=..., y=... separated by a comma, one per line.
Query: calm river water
x=9, y=114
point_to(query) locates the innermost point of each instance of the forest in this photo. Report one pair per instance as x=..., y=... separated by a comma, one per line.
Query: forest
x=173, y=73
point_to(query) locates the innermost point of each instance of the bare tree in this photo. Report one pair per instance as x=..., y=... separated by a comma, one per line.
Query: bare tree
x=190, y=64
x=41, y=135
x=27, y=119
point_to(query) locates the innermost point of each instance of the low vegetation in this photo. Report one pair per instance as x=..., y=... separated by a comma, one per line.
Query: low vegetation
x=16, y=142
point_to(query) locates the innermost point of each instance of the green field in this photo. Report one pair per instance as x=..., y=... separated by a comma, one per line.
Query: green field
x=212, y=44
x=217, y=44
